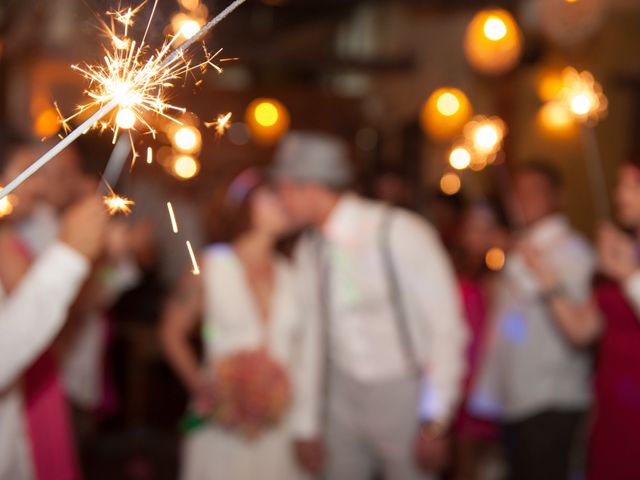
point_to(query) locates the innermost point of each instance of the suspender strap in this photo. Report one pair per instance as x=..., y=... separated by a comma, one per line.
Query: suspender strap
x=395, y=294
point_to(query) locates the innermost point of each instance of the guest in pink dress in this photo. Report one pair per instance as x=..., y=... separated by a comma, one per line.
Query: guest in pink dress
x=481, y=231
x=614, y=449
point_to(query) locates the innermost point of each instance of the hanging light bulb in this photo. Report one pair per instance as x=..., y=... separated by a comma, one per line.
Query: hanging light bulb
x=493, y=42
x=445, y=112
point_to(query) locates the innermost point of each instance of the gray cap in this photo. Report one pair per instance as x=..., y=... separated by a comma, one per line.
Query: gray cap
x=313, y=157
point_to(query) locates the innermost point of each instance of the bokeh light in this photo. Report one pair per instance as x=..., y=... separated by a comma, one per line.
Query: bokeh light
x=460, y=158
x=445, y=113
x=189, y=28
x=583, y=96
x=493, y=42
x=554, y=117
x=187, y=139
x=495, y=259
x=46, y=123
x=186, y=167
x=450, y=183
x=549, y=84
x=185, y=25
x=494, y=28
x=267, y=114
x=448, y=104
x=267, y=119
x=485, y=134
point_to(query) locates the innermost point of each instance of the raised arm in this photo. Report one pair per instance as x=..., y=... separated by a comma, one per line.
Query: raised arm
x=35, y=310
x=566, y=291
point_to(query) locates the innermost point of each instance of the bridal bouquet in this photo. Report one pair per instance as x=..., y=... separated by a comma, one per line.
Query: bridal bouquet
x=251, y=392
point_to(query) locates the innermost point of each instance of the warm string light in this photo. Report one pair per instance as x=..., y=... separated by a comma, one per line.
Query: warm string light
x=445, y=113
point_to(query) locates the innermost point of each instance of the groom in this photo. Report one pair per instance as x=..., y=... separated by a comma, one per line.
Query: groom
x=381, y=355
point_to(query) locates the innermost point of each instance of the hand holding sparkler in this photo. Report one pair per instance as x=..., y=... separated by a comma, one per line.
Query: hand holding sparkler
x=84, y=227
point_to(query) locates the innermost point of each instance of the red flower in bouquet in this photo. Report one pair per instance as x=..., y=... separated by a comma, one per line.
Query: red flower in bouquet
x=252, y=392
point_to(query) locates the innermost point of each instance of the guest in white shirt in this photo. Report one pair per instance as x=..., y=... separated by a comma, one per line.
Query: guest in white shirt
x=382, y=350
x=31, y=316
x=536, y=374
x=34, y=302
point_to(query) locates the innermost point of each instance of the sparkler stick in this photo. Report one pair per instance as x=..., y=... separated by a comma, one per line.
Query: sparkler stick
x=174, y=56
x=596, y=171
x=59, y=147
x=116, y=162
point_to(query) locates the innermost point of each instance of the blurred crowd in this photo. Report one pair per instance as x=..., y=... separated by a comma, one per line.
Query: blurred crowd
x=322, y=333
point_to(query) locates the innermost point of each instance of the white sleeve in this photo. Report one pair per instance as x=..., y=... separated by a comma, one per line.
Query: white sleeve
x=307, y=370
x=430, y=289
x=631, y=288
x=32, y=315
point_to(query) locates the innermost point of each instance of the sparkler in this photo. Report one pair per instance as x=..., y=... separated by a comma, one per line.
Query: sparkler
x=172, y=216
x=582, y=95
x=117, y=204
x=222, y=124
x=130, y=82
x=196, y=269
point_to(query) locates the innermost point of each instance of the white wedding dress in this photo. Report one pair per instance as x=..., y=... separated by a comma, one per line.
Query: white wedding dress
x=232, y=324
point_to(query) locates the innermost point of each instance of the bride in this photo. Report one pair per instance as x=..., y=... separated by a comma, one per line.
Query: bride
x=249, y=322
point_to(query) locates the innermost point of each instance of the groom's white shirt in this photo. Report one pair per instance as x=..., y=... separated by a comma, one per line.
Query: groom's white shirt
x=364, y=338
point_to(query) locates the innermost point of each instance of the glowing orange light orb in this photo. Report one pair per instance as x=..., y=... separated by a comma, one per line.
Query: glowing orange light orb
x=268, y=119
x=493, y=42
x=450, y=183
x=495, y=259
x=186, y=167
x=460, y=158
x=445, y=113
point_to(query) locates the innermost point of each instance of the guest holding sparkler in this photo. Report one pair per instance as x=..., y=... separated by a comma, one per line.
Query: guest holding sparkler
x=615, y=312
x=384, y=337
x=536, y=374
x=239, y=423
x=34, y=303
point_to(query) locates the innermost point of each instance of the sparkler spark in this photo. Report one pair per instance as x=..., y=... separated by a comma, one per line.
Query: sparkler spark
x=117, y=204
x=172, y=216
x=135, y=77
x=149, y=155
x=222, y=124
x=196, y=269
x=151, y=77
x=583, y=96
